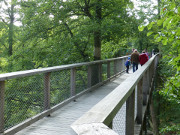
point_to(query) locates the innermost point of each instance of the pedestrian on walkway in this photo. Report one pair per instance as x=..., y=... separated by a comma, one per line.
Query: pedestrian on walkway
x=143, y=58
x=135, y=60
x=127, y=64
x=146, y=52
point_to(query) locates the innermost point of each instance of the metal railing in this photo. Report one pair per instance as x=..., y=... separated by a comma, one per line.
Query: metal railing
x=100, y=118
x=27, y=96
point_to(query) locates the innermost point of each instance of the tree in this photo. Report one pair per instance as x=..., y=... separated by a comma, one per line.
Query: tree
x=8, y=18
x=79, y=19
x=73, y=27
x=166, y=33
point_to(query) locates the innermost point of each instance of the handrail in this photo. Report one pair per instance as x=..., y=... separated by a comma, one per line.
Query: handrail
x=104, y=111
x=11, y=75
x=45, y=77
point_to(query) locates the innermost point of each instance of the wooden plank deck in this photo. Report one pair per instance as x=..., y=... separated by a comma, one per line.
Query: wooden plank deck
x=59, y=122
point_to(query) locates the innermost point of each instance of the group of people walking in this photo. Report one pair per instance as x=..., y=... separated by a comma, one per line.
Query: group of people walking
x=135, y=59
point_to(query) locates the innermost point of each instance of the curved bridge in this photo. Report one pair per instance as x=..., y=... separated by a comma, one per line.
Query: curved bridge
x=74, y=104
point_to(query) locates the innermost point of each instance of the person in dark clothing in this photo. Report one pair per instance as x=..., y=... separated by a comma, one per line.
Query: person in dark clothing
x=135, y=60
x=127, y=64
x=143, y=58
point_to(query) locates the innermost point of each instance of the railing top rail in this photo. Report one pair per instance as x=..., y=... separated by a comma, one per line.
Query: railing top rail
x=17, y=74
x=106, y=109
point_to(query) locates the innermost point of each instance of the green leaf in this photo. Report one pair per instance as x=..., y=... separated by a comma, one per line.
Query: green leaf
x=159, y=39
x=178, y=10
x=164, y=41
x=156, y=36
x=169, y=26
x=173, y=5
x=178, y=31
x=150, y=25
x=165, y=23
x=171, y=13
x=171, y=39
x=149, y=33
x=160, y=22
x=141, y=28
x=131, y=5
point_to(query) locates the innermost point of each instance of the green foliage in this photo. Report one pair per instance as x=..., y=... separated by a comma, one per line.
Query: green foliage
x=173, y=130
x=166, y=34
x=111, y=49
x=56, y=32
x=53, y=33
x=145, y=13
x=169, y=98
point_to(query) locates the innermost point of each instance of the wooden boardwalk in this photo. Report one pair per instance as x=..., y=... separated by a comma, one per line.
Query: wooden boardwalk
x=59, y=122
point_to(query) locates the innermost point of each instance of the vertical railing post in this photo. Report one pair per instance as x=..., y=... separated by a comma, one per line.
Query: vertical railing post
x=121, y=65
x=108, y=70
x=145, y=88
x=89, y=76
x=123, y=61
x=148, y=81
x=47, y=91
x=100, y=72
x=73, y=81
x=118, y=65
x=151, y=71
x=115, y=67
x=130, y=114
x=2, y=98
x=154, y=65
x=139, y=101
x=155, y=61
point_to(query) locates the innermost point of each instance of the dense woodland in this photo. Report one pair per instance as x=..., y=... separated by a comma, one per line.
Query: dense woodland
x=46, y=33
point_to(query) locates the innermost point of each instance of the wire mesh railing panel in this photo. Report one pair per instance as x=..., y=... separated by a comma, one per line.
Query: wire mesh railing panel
x=118, y=66
x=119, y=121
x=121, y=65
x=104, y=71
x=60, y=86
x=95, y=74
x=81, y=79
x=23, y=99
x=112, y=68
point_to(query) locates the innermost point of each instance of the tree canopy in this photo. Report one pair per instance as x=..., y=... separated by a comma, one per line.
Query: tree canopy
x=85, y=29
x=56, y=32
x=166, y=32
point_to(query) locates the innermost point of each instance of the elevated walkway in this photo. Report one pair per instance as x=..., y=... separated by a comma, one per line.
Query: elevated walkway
x=60, y=121
x=62, y=100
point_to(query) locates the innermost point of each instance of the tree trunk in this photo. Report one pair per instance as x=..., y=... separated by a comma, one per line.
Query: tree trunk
x=11, y=29
x=97, y=32
x=97, y=44
x=159, y=7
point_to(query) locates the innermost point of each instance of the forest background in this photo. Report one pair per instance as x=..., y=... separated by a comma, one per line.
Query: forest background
x=58, y=32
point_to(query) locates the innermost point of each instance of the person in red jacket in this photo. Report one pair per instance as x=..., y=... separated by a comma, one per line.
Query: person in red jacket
x=143, y=58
